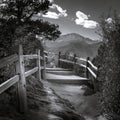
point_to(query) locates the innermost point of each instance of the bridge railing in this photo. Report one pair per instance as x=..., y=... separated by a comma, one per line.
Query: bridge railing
x=20, y=77
x=89, y=67
x=69, y=61
x=66, y=61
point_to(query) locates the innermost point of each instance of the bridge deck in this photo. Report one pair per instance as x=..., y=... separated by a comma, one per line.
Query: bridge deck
x=61, y=72
x=70, y=79
x=57, y=69
x=62, y=77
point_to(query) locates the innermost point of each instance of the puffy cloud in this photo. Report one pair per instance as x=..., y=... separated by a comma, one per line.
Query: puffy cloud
x=83, y=20
x=52, y=15
x=81, y=15
x=60, y=10
x=90, y=24
x=55, y=15
x=79, y=21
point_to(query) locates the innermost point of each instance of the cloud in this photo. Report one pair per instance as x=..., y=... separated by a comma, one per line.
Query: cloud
x=79, y=21
x=90, y=24
x=81, y=15
x=83, y=20
x=60, y=10
x=50, y=14
x=54, y=15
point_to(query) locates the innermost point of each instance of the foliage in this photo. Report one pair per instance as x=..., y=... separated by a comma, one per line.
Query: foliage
x=7, y=29
x=109, y=68
x=44, y=29
x=26, y=34
x=17, y=25
x=22, y=10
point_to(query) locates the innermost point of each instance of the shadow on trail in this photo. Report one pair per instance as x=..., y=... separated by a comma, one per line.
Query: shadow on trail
x=85, y=105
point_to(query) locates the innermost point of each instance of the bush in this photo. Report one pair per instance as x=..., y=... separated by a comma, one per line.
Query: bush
x=108, y=61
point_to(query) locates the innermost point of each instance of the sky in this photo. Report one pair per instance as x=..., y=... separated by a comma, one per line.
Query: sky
x=80, y=16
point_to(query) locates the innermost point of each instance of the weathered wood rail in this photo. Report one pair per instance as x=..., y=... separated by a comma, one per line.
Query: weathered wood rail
x=20, y=77
x=90, y=68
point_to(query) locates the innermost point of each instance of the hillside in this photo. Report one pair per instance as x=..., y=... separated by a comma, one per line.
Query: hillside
x=74, y=43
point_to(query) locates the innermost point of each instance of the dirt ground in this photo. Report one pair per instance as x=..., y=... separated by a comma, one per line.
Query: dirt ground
x=43, y=104
x=82, y=98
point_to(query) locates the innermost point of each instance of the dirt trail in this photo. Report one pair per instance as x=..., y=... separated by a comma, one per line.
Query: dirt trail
x=49, y=105
x=48, y=101
x=87, y=106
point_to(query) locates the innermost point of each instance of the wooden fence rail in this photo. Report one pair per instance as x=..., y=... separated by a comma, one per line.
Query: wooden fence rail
x=90, y=68
x=20, y=77
x=7, y=84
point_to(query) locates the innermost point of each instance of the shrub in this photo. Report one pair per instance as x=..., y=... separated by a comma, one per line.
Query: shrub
x=108, y=61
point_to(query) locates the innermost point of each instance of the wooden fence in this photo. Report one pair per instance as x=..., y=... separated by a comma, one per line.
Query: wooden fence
x=20, y=77
x=90, y=68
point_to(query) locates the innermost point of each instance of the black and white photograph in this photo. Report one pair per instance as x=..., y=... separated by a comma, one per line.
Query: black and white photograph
x=59, y=59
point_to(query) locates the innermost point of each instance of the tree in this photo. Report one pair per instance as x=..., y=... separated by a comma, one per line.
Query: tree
x=109, y=67
x=44, y=29
x=23, y=10
x=17, y=24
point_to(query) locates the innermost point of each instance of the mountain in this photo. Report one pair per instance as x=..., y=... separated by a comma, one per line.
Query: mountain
x=74, y=37
x=74, y=43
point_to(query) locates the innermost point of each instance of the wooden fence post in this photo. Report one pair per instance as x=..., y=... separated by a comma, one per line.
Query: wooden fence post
x=96, y=82
x=18, y=90
x=39, y=65
x=75, y=60
x=44, y=67
x=22, y=83
x=87, y=65
x=59, y=59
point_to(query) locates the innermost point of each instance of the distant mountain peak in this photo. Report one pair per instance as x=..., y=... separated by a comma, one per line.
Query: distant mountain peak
x=75, y=43
x=75, y=37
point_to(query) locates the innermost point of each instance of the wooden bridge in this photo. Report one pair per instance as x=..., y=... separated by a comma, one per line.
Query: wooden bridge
x=64, y=72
